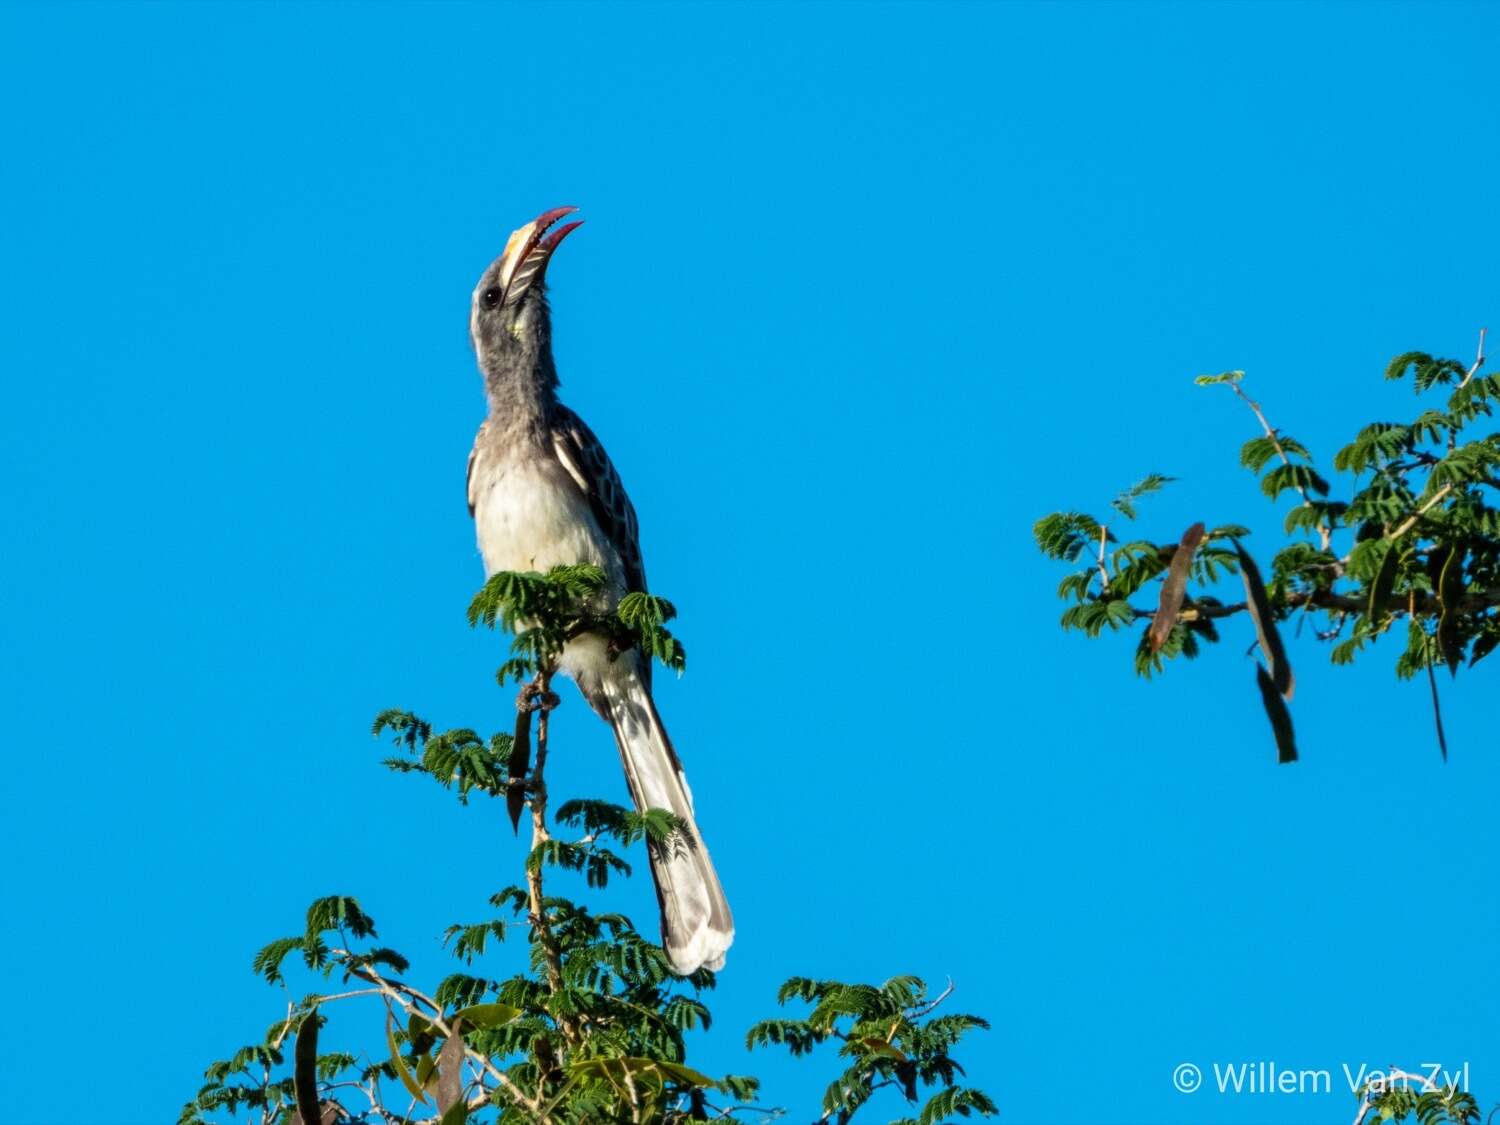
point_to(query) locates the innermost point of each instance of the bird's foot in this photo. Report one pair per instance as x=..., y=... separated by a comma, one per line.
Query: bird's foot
x=534, y=698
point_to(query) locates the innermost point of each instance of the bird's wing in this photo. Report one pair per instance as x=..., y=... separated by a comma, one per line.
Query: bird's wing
x=583, y=456
x=474, y=460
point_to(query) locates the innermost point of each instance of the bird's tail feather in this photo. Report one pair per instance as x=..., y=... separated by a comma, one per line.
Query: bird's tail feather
x=696, y=924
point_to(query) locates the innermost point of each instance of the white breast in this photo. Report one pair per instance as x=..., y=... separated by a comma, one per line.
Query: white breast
x=530, y=515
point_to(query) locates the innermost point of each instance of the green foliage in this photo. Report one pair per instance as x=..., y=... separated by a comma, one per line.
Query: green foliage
x=1415, y=540
x=1124, y=503
x=1401, y=1101
x=455, y=759
x=546, y=611
x=644, y=617
x=586, y=1023
x=1256, y=452
x=1065, y=535
x=888, y=1037
x=1217, y=380
x=610, y=980
x=1300, y=478
x=1095, y=616
x=1425, y=370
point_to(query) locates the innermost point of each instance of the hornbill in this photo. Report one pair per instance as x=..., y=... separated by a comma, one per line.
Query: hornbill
x=543, y=493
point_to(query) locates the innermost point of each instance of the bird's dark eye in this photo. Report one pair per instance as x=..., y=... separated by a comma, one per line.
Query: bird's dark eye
x=490, y=298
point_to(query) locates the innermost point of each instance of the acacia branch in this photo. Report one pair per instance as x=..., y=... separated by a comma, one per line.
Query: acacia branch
x=406, y=998
x=1411, y=520
x=1478, y=360
x=1394, y=1074
x=376, y=1105
x=291, y=1013
x=1413, y=604
x=1325, y=533
x=927, y=1006
x=346, y=995
x=539, y=695
x=729, y=1112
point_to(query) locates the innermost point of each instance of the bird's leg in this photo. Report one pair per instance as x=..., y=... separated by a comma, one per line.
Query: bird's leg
x=537, y=696
x=534, y=696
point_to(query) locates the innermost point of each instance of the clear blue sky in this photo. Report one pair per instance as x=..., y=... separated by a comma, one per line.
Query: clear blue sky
x=863, y=291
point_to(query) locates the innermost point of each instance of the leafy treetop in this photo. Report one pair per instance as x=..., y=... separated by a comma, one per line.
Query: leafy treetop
x=590, y=1025
x=1412, y=548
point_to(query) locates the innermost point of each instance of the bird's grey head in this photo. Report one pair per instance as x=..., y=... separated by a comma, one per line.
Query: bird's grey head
x=508, y=318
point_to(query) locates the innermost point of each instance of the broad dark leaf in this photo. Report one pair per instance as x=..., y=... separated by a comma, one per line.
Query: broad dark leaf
x=1174, y=586
x=1276, y=711
x=1384, y=583
x=1483, y=645
x=485, y=1016
x=520, y=764
x=450, y=1085
x=1437, y=713
x=1265, y=624
x=403, y=1071
x=1450, y=592
x=419, y=1034
x=305, y=1069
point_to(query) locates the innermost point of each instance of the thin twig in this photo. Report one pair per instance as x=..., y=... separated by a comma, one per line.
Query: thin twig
x=926, y=1006
x=728, y=1112
x=1478, y=360
x=1103, y=573
x=1399, y=1075
x=1411, y=520
x=346, y=995
x=1393, y=1075
x=1325, y=533
x=291, y=1011
x=1412, y=605
x=376, y=1106
x=399, y=992
x=1437, y=710
x=537, y=786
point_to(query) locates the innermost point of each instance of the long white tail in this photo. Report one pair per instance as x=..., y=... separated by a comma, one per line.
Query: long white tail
x=696, y=924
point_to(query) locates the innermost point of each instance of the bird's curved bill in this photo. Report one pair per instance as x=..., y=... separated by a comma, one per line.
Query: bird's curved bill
x=527, y=253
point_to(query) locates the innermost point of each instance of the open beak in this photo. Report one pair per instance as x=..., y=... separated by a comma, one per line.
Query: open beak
x=527, y=253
